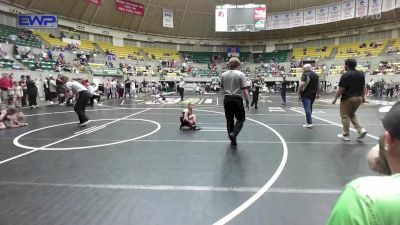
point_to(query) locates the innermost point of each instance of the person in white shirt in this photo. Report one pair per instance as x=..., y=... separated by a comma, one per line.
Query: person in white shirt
x=83, y=96
x=181, y=88
x=93, y=89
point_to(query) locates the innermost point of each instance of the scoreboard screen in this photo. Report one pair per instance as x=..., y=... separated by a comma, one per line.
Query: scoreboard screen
x=240, y=18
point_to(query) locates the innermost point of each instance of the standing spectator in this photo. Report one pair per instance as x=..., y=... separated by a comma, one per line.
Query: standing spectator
x=114, y=88
x=46, y=89
x=181, y=88
x=52, y=89
x=127, y=88
x=108, y=88
x=6, y=86
x=309, y=91
x=389, y=89
x=17, y=95
x=256, y=91
x=60, y=90
x=375, y=199
x=234, y=87
x=351, y=89
x=284, y=85
x=31, y=91
x=22, y=83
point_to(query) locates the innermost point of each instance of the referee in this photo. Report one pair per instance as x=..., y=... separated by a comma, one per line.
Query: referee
x=233, y=83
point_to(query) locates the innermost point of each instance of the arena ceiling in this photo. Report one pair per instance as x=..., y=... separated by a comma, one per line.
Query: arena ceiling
x=192, y=18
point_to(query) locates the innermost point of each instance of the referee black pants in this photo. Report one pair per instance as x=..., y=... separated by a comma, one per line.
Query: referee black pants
x=234, y=108
x=80, y=105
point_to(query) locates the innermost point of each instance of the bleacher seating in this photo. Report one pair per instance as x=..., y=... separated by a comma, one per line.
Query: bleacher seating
x=6, y=63
x=204, y=57
x=121, y=52
x=44, y=65
x=162, y=54
x=298, y=53
x=396, y=44
x=279, y=56
x=359, y=52
x=52, y=41
x=339, y=70
x=6, y=31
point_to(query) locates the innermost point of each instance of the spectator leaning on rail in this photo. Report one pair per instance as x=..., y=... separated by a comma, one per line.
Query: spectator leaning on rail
x=375, y=199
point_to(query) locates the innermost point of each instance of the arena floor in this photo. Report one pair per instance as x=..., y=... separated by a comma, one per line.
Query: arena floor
x=132, y=164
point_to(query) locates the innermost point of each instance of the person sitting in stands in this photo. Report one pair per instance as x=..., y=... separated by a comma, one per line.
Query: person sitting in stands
x=12, y=118
x=189, y=117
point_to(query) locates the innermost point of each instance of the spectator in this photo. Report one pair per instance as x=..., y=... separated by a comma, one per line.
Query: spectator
x=374, y=199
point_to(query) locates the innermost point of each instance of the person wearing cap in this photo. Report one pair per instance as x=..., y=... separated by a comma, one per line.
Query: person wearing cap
x=309, y=91
x=352, y=92
x=375, y=199
x=233, y=83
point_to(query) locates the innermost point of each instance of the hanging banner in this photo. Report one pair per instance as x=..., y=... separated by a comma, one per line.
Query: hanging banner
x=321, y=14
x=361, y=8
x=221, y=20
x=334, y=12
x=131, y=7
x=388, y=5
x=348, y=9
x=96, y=2
x=286, y=20
x=268, y=22
x=398, y=4
x=275, y=22
x=309, y=17
x=168, y=18
x=375, y=7
x=260, y=17
x=297, y=18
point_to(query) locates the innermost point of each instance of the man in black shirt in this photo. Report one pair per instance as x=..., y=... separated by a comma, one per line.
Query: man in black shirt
x=127, y=88
x=351, y=88
x=284, y=84
x=256, y=91
x=309, y=91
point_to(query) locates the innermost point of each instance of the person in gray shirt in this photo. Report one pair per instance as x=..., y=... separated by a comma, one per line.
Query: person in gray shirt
x=233, y=83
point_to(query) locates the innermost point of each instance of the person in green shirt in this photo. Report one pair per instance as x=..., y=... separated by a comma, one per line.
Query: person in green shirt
x=375, y=200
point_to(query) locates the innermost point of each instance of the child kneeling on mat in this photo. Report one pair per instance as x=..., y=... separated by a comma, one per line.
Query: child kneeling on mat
x=189, y=118
x=12, y=118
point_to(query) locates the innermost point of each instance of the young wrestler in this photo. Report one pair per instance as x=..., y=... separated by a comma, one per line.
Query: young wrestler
x=12, y=118
x=189, y=117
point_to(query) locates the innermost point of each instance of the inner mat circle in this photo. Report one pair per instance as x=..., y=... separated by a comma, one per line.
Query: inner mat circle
x=17, y=142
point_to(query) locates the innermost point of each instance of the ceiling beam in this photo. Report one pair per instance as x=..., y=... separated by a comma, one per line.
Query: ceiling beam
x=31, y=4
x=84, y=11
x=144, y=16
x=183, y=18
x=94, y=15
x=73, y=8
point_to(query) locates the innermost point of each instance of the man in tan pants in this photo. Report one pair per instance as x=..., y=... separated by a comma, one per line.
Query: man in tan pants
x=352, y=92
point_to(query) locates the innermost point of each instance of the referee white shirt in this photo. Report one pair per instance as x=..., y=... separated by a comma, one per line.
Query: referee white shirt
x=76, y=86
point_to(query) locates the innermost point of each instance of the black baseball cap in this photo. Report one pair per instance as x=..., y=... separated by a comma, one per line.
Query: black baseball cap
x=391, y=121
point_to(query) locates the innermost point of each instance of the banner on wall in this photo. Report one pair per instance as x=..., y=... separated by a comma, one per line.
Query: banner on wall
x=286, y=19
x=221, y=19
x=398, y=4
x=96, y=2
x=131, y=7
x=334, y=12
x=348, y=9
x=275, y=22
x=375, y=7
x=297, y=18
x=309, y=17
x=388, y=5
x=268, y=21
x=321, y=14
x=361, y=8
x=168, y=18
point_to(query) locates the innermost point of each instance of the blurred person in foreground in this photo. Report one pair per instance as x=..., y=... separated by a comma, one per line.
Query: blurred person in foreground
x=375, y=199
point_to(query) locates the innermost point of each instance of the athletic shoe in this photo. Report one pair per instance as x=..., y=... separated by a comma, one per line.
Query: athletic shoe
x=196, y=128
x=309, y=126
x=343, y=137
x=362, y=134
x=232, y=137
x=84, y=123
